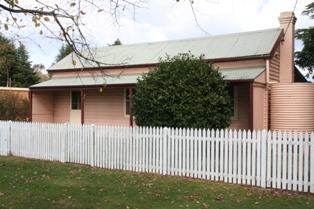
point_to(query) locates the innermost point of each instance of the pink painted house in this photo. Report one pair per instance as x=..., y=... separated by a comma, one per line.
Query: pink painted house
x=251, y=61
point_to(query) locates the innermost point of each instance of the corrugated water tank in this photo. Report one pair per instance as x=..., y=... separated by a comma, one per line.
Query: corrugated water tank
x=292, y=107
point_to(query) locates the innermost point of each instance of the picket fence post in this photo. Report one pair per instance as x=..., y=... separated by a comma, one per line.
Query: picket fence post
x=164, y=151
x=92, y=145
x=65, y=143
x=264, y=158
x=312, y=164
x=9, y=151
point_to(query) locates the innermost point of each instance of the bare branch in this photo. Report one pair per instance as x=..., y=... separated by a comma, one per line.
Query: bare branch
x=68, y=17
x=195, y=18
x=31, y=11
x=72, y=11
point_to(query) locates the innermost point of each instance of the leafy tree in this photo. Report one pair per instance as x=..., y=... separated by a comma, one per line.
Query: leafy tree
x=7, y=60
x=305, y=57
x=117, y=42
x=38, y=69
x=64, y=51
x=15, y=67
x=23, y=75
x=182, y=91
x=13, y=107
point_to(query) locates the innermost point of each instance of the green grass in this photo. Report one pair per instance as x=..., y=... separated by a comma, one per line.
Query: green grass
x=27, y=183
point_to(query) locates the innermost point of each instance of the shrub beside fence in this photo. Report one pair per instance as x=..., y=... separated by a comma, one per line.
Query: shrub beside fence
x=282, y=160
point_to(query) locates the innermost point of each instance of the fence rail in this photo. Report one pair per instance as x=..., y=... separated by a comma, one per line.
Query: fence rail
x=282, y=160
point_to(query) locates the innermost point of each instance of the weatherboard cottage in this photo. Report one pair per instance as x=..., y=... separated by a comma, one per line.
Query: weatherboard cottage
x=251, y=61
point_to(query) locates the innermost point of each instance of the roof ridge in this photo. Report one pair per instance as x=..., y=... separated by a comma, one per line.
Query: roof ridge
x=193, y=38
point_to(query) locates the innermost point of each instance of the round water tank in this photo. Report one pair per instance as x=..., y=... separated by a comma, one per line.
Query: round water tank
x=292, y=107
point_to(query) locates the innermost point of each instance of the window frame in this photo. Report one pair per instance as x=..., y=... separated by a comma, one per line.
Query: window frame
x=234, y=101
x=75, y=95
x=126, y=99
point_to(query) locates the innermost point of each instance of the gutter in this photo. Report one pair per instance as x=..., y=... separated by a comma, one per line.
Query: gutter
x=83, y=87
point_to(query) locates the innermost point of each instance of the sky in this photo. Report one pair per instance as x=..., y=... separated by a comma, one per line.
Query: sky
x=160, y=20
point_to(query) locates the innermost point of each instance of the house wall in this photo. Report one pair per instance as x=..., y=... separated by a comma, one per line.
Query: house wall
x=42, y=107
x=260, y=114
x=108, y=107
x=274, y=66
x=261, y=79
x=61, y=103
x=237, y=64
x=105, y=107
x=260, y=103
x=242, y=122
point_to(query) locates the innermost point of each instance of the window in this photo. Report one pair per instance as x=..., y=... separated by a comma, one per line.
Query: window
x=233, y=92
x=75, y=100
x=127, y=100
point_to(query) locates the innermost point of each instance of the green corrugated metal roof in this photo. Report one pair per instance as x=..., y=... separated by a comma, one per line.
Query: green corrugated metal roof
x=88, y=81
x=248, y=73
x=248, y=44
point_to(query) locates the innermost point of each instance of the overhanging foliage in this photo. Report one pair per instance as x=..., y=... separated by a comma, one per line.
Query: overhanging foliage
x=183, y=91
x=305, y=58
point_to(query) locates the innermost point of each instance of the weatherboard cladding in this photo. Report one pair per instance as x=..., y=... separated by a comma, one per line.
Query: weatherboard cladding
x=247, y=44
x=244, y=73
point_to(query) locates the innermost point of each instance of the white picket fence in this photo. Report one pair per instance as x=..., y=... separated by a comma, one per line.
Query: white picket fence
x=266, y=159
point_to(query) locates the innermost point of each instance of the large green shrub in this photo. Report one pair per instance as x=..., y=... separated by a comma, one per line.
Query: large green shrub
x=13, y=107
x=183, y=91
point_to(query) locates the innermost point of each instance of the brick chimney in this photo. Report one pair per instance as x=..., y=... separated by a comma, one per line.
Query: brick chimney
x=287, y=22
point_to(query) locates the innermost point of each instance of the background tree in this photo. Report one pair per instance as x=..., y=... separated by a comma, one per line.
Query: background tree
x=7, y=60
x=22, y=74
x=64, y=51
x=13, y=107
x=15, y=67
x=305, y=57
x=183, y=91
x=39, y=68
x=117, y=42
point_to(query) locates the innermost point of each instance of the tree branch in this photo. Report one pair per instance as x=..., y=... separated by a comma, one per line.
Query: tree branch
x=31, y=11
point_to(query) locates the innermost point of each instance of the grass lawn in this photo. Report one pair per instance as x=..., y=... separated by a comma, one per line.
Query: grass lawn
x=27, y=183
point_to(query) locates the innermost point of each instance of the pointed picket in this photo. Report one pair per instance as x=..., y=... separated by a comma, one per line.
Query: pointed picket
x=312, y=164
x=306, y=162
x=301, y=165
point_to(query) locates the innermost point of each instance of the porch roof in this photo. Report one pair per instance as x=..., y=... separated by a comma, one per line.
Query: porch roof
x=229, y=74
x=81, y=81
x=243, y=73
